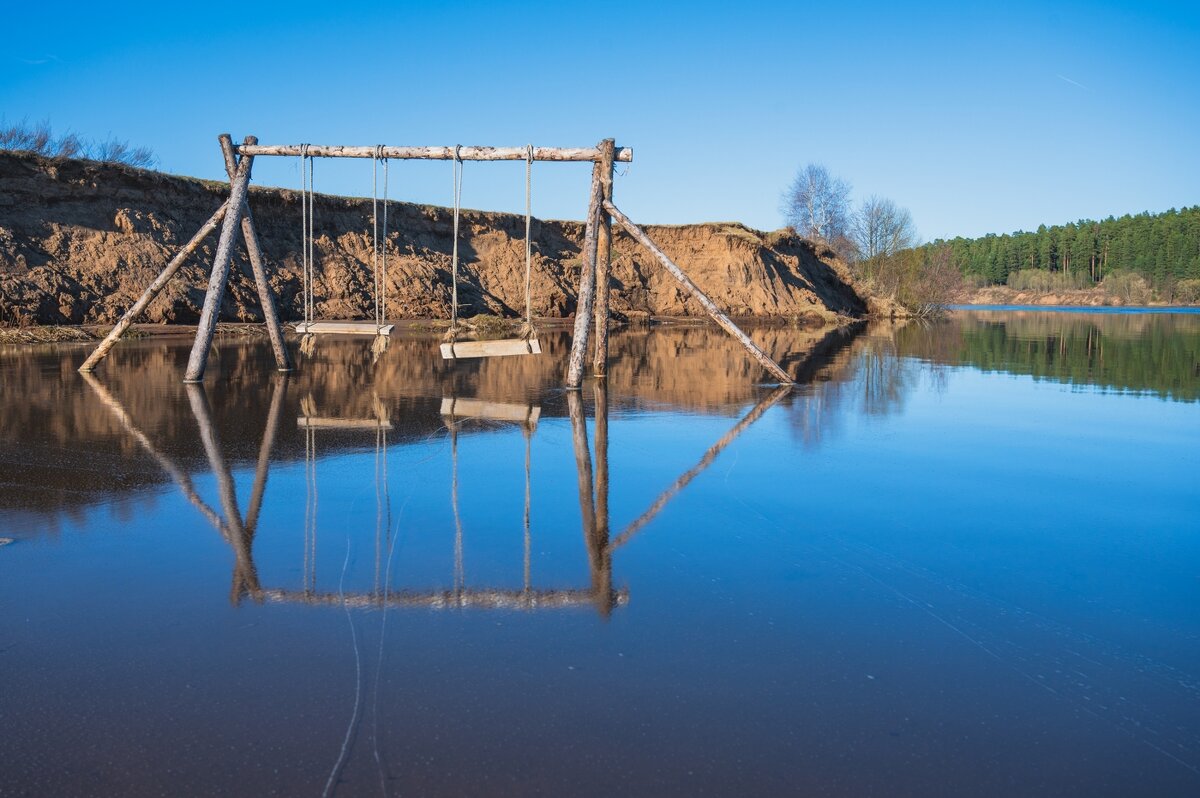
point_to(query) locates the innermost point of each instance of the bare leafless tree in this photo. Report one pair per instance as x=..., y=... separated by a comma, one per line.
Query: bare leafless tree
x=117, y=151
x=881, y=228
x=817, y=205
x=40, y=139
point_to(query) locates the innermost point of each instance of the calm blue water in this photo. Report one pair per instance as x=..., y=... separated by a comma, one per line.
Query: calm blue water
x=959, y=559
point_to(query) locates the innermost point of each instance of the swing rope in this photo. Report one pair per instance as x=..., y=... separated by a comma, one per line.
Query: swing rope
x=527, y=331
x=452, y=333
x=379, y=252
x=383, y=246
x=307, y=219
x=375, y=230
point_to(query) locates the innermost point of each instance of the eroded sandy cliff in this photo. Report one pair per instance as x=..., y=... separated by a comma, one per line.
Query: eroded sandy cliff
x=79, y=241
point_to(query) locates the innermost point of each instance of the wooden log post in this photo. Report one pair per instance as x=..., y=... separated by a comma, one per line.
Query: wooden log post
x=716, y=313
x=198, y=359
x=258, y=267
x=464, y=153
x=603, y=260
x=101, y=351
x=587, y=287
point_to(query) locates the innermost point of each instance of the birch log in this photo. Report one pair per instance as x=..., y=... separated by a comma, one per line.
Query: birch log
x=258, y=266
x=717, y=314
x=198, y=360
x=153, y=290
x=603, y=261
x=472, y=153
x=587, y=288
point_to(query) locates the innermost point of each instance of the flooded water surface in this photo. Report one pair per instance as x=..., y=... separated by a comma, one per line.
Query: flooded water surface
x=956, y=559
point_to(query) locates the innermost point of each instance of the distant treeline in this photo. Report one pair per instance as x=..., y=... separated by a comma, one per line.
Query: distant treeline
x=1163, y=248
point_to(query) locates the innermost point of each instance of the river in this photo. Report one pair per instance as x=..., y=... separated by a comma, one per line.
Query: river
x=958, y=558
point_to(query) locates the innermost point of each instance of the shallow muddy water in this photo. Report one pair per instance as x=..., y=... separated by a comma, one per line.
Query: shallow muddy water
x=958, y=559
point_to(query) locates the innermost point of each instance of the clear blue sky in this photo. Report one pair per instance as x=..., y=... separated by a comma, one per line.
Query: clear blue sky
x=979, y=120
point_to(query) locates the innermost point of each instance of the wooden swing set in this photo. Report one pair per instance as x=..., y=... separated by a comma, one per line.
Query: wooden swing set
x=592, y=308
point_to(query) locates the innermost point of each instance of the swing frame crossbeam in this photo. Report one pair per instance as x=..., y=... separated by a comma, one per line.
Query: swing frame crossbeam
x=462, y=153
x=592, y=307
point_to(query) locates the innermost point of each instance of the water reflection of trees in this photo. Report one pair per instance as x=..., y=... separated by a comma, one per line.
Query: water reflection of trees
x=868, y=376
x=875, y=372
x=1155, y=353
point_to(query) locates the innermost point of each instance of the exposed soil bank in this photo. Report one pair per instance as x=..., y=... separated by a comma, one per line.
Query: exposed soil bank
x=80, y=240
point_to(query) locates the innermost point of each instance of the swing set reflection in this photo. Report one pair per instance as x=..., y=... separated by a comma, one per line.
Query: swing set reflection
x=239, y=531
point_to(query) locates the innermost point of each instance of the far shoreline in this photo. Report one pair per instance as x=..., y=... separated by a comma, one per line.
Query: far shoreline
x=1129, y=309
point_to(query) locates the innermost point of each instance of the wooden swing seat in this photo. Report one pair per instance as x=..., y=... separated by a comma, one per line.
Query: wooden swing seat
x=500, y=348
x=342, y=328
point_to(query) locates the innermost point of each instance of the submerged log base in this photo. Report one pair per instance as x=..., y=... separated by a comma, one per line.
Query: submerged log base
x=603, y=261
x=198, y=359
x=718, y=316
x=471, y=153
x=153, y=290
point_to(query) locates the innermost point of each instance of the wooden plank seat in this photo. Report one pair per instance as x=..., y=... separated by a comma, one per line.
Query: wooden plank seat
x=342, y=328
x=499, y=348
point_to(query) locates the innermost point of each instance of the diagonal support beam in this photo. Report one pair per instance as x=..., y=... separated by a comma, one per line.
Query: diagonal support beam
x=717, y=314
x=101, y=351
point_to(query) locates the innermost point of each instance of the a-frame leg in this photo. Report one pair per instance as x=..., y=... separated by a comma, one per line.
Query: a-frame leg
x=153, y=290
x=198, y=360
x=258, y=266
